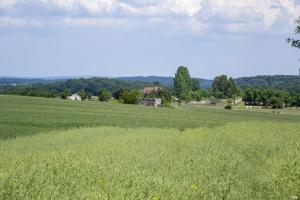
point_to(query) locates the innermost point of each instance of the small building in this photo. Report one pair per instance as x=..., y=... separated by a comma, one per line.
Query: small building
x=75, y=97
x=149, y=90
x=155, y=102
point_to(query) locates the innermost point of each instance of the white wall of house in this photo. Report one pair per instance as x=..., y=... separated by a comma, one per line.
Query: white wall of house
x=75, y=97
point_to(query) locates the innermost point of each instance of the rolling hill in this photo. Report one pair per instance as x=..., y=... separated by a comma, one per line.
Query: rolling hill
x=163, y=80
x=289, y=83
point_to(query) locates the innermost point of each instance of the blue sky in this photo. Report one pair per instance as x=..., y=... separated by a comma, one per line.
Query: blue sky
x=41, y=38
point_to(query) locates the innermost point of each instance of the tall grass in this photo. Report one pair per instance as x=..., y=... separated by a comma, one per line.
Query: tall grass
x=245, y=160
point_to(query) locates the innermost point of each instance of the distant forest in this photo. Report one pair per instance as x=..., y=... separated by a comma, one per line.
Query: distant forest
x=57, y=88
x=53, y=88
x=164, y=81
x=287, y=83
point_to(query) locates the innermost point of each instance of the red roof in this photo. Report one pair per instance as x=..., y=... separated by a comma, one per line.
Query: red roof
x=148, y=90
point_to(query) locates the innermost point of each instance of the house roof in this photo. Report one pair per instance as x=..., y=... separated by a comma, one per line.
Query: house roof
x=148, y=90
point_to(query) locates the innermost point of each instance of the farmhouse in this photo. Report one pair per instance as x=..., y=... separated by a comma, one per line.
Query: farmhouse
x=155, y=102
x=149, y=90
x=75, y=97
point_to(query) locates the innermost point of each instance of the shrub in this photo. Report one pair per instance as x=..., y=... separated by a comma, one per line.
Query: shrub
x=65, y=94
x=196, y=95
x=118, y=93
x=228, y=106
x=130, y=97
x=104, y=95
x=84, y=95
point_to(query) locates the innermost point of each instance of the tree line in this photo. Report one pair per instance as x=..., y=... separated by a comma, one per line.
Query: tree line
x=270, y=98
x=223, y=87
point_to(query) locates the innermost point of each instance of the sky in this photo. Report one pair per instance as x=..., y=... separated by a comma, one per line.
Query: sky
x=46, y=38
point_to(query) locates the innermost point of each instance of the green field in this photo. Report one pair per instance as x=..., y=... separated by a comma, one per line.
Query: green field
x=20, y=116
x=56, y=149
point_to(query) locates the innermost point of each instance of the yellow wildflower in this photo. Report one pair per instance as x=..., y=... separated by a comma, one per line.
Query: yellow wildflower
x=100, y=182
x=194, y=187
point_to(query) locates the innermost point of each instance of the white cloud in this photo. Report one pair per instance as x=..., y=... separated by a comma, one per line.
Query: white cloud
x=234, y=15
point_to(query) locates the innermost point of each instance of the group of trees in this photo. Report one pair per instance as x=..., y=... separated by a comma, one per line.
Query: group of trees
x=270, y=98
x=187, y=88
x=224, y=88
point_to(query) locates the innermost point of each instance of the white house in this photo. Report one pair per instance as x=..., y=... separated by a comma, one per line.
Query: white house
x=75, y=97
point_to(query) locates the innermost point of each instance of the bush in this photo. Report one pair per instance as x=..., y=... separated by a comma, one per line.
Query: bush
x=84, y=95
x=65, y=94
x=104, y=95
x=196, y=95
x=130, y=97
x=228, y=106
x=276, y=102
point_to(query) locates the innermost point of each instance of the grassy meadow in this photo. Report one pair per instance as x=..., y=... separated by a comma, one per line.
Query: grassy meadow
x=56, y=149
x=21, y=116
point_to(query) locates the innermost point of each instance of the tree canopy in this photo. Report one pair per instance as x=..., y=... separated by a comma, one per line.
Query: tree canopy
x=295, y=42
x=182, y=83
x=223, y=87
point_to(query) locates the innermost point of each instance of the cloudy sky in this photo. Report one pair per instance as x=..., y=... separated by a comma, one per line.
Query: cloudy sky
x=147, y=37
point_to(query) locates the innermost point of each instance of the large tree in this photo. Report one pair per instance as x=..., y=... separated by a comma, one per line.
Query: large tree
x=223, y=87
x=182, y=83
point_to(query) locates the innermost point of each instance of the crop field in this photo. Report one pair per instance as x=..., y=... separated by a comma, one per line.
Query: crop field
x=56, y=149
x=21, y=116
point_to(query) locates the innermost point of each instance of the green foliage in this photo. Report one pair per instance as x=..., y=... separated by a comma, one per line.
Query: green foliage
x=104, y=95
x=244, y=160
x=165, y=95
x=276, y=102
x=223, y=87
x=228, y=105
x=130, y=97
x=195, y=85
x=249, y=95
x=269, y=98
x=56, y=89
x=232, y=89
x=84, y=95
x=65, y=94
x=183, y=83
x=295, y=100
x=118, y=93
x=292, y=41
x=196, y=95
x=286, y=83
x=163, y=81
